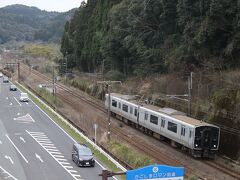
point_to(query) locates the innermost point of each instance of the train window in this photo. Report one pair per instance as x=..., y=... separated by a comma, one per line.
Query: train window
x=119, y=105
x=135, y=112
x=125, y=107
x=162, y=122
x=114, y=103
x=172, y=127
x=183, y=130
x=146, y=116
x=154, y=119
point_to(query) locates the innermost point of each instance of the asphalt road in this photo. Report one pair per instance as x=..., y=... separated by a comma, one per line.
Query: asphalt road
x=32, y=146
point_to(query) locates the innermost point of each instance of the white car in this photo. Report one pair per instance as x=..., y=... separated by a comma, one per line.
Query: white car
x=1, y=74
x=24, y=97
x=5, y=79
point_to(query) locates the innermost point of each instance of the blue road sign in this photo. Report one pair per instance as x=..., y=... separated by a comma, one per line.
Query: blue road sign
x=156, y=172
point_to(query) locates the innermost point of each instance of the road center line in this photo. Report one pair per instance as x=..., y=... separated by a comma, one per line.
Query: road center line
x=17, y=149
x=17, y=101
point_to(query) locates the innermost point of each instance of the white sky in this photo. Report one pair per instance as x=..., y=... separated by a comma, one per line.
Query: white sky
x=48, y=5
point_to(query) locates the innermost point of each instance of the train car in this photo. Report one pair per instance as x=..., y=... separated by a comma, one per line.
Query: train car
x=123, y=106
x=201, y=139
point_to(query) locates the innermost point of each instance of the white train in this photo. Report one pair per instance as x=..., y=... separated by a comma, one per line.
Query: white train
x=201, y=139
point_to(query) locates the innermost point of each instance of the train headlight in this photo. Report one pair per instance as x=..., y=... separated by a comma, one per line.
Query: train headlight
x=214, y=145
x=196, y=145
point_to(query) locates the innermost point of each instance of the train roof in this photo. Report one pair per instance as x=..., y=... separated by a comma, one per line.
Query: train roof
x=124, y=97
x=167, y=111
x=192, y=121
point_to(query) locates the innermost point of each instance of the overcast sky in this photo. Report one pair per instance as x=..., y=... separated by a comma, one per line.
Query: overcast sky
x=48, y=5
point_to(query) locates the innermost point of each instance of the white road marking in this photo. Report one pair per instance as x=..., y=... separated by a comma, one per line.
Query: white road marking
x=26, y=102
x=77, y=175
x=57, y=156
x=39, y=157
x=24, y=122
x=38, y=133
x=69, y=167
x=52, y=149
x=73, y=171
x=55, y=153
x=48, y=144
x=23, y=140
x=18, y=114
x=7, y=98
x=17, y=149
x=59, y=159
x=42, y=138
x=3, y=171
x=52, y=152
x=0, y=142
x=66, y=163
x=9, y=158
x=17, y=101
x=42, y=141
x=26, y=118
x=10, y=104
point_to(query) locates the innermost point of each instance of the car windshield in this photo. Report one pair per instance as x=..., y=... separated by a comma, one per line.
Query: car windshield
x=24, y=95
x=85, y=152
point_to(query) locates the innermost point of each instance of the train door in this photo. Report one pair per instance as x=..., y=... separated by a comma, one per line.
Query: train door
x=190, y=137
x=183, y=134
x=162, y=128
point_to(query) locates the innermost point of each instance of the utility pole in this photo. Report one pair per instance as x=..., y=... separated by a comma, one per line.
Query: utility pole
x=15, y=64
x=18, y=64
x=66, y=64
x=103, y=68
x=109, y=103
x=107, y=83
x=189, y=93
x=53, y=81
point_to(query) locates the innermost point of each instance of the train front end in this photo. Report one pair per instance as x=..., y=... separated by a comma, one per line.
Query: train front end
x=206, y=141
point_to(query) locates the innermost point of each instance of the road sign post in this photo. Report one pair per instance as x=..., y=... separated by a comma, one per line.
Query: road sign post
x=95, y=126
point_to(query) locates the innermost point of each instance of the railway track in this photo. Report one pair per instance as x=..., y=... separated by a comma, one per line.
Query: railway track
x=223, y=169
x=136, y=142
x=132, y=140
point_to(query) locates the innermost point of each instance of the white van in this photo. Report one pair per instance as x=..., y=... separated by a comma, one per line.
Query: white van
x=23, y=97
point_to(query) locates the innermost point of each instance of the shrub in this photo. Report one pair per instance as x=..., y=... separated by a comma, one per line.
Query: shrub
x=114, y=75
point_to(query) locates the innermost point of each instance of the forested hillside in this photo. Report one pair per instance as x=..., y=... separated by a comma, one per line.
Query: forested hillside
x=153, y=36
x=23, y=23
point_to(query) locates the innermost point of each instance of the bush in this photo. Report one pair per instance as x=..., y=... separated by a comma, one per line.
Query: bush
x=114, y=75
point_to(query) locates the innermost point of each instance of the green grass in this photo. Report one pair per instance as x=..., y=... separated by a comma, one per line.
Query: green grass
x=71, y=131
x=130, y=156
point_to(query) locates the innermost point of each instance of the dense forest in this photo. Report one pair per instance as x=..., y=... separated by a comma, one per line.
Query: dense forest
x=23, y=23
x=132, y=38
x=136, y=37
